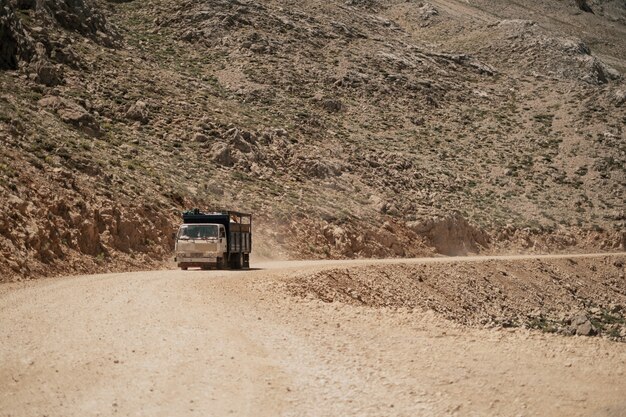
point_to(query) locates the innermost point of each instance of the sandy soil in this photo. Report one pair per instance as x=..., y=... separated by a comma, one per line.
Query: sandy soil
x=213, y=343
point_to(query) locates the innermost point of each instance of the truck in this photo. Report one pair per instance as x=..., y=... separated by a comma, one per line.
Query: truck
x=218, y=239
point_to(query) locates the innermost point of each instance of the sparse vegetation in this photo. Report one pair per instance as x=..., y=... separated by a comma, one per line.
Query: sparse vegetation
x=349, y=130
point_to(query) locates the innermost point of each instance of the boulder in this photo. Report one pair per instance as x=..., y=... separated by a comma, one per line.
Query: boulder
x=200, y=137
x=221, y=153
x=79, y=117
x=73, y=114
x=46, y=73
x=138, y=112
x=80, y=16
x=427, y=11
x=581, y=325
x=15, y=44
x=584, y=6
x=25, y=4
x=332, y=105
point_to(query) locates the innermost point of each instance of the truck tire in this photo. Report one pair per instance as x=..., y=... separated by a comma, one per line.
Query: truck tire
x=236, y=261
x=246, y=260
x=220, y=263
x=184, y=268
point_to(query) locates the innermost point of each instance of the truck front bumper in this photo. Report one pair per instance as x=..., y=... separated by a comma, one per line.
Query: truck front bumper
x=194, y=261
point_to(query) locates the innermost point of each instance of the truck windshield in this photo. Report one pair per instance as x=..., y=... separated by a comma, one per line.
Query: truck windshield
x=208, y=231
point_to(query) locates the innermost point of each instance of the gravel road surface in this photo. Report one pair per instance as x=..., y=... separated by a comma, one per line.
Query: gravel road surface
x=222, y=343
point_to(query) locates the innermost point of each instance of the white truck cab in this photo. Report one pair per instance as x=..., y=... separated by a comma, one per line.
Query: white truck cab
x=200, y=244
x=219, y=239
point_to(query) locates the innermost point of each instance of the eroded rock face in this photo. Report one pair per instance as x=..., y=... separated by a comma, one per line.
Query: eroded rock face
x=341, y=118
x=46, y=73
x=452, y=235
x=15, y=44
x=72, y=113
x=62, y=231
x=19, y=42
x=80, y=16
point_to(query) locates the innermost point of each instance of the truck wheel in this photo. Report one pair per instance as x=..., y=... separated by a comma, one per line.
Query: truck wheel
x=236, y=261
x=220, y=263
x=184, y=268
x=246, y=261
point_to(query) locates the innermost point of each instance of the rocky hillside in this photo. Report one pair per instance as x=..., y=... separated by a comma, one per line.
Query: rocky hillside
x=350, y=128
x=573, y=296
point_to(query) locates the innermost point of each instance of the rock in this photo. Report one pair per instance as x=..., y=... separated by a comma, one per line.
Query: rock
x=81, y=16
x=427, y=11
x=73, y=114
x=598, y=72
x=332, y=105
x=46, y=73
x=452, y=235
x=221, y=153
x=584, y=6
x=240, y=144
x=586, y=329
x=200, y=137
x=79, y=117
x=25, y=4
x=581, y=325
x=15, y=44
x=619, y=97
x=138, y=112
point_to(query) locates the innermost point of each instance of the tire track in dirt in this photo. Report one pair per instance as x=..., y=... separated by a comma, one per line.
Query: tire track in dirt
x=232, y=343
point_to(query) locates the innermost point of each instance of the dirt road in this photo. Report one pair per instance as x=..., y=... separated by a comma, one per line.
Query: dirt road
x=218, y=343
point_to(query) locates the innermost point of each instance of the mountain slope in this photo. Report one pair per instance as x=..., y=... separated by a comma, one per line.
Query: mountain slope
x=359, y=128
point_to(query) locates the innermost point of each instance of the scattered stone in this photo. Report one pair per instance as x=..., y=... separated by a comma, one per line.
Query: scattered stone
x=138, y=112
x=46, y=73
x=221, y=153
x=83, y=17
x=25, y=4
x=584, y=6
x=427, y=11
x=79, y=117
x=332, y=105
x=200, y=137
x=73, y=114
x=619, y=97
x=582, y=326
